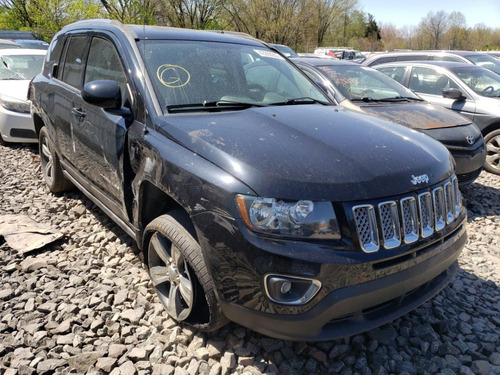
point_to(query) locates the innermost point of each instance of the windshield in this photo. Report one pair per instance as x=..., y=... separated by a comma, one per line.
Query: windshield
x=197, y=75
x=482, y=81
x=485, y=61
x=357, y=83
x=24, y=67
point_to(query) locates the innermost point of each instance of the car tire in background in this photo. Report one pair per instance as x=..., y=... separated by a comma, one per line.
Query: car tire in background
x=492, y=142
x=2, y=142
x=179, y=274
x=51, y=167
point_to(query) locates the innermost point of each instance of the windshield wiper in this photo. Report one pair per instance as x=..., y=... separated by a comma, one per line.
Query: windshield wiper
x=212, y=105
x=386, y=100
x=303, y=100
x=230, y=103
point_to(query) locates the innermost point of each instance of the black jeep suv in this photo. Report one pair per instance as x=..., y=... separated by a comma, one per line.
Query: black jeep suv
x=253, y=198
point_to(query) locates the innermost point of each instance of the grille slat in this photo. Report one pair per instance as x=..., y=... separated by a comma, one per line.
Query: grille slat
x=391, y=222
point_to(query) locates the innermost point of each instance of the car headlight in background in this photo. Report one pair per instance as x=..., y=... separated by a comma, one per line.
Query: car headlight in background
x=14, y=105
x=298, y=219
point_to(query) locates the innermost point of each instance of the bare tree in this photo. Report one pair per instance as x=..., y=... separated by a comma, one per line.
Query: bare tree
x=192, y=14
x=457, y=33
x=434, y=26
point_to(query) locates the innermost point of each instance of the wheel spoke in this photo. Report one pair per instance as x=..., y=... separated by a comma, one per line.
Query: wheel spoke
x=46, y=152
x=491, y=159
x=159, y=275
x=177, y=257
x=161, y=248
x=48, y=169
x=492, y=148
x=174, y=305
x=186, y=290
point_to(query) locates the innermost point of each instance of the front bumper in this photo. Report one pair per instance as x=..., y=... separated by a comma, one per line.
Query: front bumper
x=357, y=308
x=17, y=127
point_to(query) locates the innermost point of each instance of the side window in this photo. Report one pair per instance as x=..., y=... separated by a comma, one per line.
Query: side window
x=430, y=81
x=413, y=57
x=382, y=60
x=397, y=73
x=104, y=63
x=448, y=58
x=74, y=59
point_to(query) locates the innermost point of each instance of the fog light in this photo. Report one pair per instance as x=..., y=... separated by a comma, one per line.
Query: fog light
x=290, y=290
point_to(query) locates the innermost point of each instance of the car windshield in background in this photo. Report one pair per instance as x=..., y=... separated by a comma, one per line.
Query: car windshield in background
x=482, y=81
x=485, y=61
x=197, y=75
x=285, y=50
x=359, y=83
x=20, y=66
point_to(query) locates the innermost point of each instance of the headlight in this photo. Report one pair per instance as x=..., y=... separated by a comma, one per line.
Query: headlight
x=14, y=105
x=300, y=219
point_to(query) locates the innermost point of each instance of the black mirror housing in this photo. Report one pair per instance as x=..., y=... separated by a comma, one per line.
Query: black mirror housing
x=103, y=93
x=453, y=94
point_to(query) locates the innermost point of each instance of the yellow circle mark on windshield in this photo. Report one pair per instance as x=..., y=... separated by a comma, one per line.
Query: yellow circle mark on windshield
x=173, y=76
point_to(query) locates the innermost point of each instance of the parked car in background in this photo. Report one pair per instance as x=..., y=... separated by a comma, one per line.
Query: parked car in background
x=467, y=89
x=481, y=59
x=7, y=43
x=17, y=68
x=33, y=44
x=369, y=91
x=341, y=53
x=253, y=198
x=495, y=54
x=284, y=50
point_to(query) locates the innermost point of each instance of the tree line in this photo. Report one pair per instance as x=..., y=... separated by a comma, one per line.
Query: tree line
x=301, y=24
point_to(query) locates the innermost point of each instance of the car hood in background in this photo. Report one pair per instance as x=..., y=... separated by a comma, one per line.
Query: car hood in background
x=412, y=115
x=311, y=151
x=14, y=88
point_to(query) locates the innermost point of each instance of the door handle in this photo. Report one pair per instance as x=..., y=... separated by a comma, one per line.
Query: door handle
x=78, y=112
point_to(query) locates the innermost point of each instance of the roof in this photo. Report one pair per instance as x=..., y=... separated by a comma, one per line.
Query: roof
x=142, y=32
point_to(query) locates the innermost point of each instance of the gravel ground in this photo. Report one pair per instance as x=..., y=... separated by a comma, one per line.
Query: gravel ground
x=84, y=304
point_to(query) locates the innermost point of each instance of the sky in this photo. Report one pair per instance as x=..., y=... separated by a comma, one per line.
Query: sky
x=409, y=13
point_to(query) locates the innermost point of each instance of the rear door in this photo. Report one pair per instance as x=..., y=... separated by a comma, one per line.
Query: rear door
x=67, y=82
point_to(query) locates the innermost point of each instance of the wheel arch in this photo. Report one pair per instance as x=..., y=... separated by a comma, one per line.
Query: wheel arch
x=154, y=202
x=490, y=128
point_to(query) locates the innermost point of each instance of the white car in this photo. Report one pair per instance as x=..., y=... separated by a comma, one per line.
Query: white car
x=17, y=68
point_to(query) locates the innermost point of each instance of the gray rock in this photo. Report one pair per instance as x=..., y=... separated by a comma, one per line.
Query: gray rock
x=105, y=364
x=481, y=367
x=84, y=361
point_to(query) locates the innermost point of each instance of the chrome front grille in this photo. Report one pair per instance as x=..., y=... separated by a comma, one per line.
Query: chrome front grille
x=406, y=219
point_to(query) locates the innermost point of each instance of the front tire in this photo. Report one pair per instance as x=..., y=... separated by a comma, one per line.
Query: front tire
x=51, y=167
x=179, y=274
x=492, y=142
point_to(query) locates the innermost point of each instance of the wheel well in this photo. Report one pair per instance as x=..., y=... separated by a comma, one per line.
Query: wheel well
x=490, y=128
x=38, y=122
x=155, y=202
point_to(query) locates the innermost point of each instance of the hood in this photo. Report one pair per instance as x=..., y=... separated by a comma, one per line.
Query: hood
x=17, y=89
x=311, y=151
x=413, y=115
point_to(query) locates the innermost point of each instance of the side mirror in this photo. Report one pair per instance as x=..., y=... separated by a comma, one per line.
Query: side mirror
x=103, y=93
x=454, y=94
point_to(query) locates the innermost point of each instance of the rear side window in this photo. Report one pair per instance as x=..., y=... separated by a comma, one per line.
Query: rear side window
x=74, y=61
x=449, y=58
x=383, y=60
x=412, y=57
